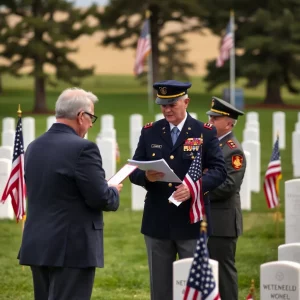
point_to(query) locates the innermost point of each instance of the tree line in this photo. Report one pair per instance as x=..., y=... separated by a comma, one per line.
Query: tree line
x=267, y=39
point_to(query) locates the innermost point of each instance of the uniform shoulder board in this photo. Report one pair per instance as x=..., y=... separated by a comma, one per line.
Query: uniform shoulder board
x=231, y=144
x=148, y=125
x=208, y=126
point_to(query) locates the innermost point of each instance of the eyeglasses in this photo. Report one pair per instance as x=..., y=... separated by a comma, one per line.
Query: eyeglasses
x=93, y=117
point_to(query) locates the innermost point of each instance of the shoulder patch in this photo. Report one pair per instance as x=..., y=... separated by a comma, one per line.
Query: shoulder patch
x=208, y=126
x=148, y=125
x=231, y=144
x=237, y=161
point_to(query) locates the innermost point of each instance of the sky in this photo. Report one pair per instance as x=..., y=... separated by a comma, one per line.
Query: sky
x=83, y=3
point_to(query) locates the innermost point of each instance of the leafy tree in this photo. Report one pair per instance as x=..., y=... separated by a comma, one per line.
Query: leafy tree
x=122, y=21
x=267, y=39
x=39, y=36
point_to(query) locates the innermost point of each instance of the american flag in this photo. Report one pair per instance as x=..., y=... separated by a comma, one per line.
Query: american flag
x=227, y=44
x=272, y=177
x=193, y=180
x=201, y=283
x=143, y=48
x=15, y=186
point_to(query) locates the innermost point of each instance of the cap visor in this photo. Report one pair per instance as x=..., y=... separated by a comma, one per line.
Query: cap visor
x=167, y=101
x=212, y=113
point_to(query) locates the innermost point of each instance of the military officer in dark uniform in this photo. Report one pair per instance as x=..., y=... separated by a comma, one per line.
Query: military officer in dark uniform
x=225, y=201
x=167, y=228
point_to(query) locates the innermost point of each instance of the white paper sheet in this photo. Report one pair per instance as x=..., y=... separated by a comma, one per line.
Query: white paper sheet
x=177, y=203
x=121, y=174
x=159, y=166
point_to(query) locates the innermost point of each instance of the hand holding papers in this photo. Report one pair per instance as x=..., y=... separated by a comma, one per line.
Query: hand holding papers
x=121, y=174
x=159, y=166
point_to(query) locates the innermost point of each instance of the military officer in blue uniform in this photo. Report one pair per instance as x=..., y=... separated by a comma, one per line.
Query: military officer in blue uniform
x=167, y=229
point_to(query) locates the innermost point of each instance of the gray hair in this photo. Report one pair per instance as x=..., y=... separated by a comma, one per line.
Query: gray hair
x=184, y=97
x=233, y=122
x=73, y=100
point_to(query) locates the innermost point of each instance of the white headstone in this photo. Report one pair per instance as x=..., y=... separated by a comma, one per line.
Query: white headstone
x=109, y=133
x=135, y=126
x=8, y=138
x=6, y=152
x=245, y=192
x=251, y=134
x=194, y=115
x=181, y=270
x=138, y=195
x=253, y=147
x=50, y=121
x=28, y=124
x=252, y=125
x=107, y=149
x=292, y=211
x=252, y=116
x=290, y=252
x=8, y=123
x=279, y=128
x=159, y=117
x=107, y=122
x=280, y=280
x=297, y=126
x=295, y=153
x=6, y=210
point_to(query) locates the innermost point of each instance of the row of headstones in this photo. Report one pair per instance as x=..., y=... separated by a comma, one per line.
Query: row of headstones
x=106, y=140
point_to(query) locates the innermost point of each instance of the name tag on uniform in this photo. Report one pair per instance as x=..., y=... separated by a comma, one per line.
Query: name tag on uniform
x=156, y=146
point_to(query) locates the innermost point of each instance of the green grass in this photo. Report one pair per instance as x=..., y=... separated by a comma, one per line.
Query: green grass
x=125, y=275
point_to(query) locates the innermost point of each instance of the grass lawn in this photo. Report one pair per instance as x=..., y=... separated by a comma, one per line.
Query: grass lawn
x=125, y=275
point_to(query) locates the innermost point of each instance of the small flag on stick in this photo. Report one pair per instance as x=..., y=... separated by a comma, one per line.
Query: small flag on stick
x=15, y=186
x=201, y=284
x=272, y=177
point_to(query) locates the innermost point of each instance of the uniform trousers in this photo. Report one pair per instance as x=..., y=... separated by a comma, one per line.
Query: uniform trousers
x=161, y=255
x=223, y=250
x=54, y=283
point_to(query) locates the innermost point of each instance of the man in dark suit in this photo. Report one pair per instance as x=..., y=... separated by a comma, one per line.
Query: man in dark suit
x=67, y=194
x=226, y=211
x=176, y=138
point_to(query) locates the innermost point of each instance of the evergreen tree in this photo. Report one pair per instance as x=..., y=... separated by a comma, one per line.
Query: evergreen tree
x=122, y=22
x=39, y=36
x=267, y=40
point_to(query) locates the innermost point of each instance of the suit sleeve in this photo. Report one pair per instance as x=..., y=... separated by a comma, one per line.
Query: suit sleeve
x=138, y=176
x=215, y=164
x=233, y=180
x=90, y=179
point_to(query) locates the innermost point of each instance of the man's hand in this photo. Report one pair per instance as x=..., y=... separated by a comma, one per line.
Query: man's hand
x=118, y=186
x=182, y=193
x=154, y=175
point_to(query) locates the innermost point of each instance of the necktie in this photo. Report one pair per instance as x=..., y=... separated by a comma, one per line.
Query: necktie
x=174, y=134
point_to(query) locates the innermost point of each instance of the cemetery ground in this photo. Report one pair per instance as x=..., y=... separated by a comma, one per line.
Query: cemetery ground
x=125, y=275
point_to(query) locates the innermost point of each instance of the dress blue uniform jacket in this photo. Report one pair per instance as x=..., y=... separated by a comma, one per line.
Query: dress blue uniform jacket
x=67, y=193
x=162, y=219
